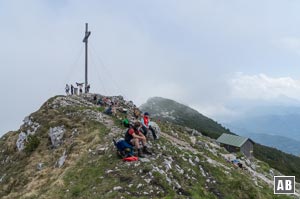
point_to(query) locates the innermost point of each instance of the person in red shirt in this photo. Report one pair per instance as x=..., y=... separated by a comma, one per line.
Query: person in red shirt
x=146, y=127
x=134, y=136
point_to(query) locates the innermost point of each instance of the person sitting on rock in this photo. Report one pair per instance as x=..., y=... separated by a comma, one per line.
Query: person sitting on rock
x=100, y=102
x=108, y=111
x=134, y=136
x=146, y=127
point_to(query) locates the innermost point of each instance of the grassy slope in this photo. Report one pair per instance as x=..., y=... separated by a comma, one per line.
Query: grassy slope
x=286, y=163
x=96, y=176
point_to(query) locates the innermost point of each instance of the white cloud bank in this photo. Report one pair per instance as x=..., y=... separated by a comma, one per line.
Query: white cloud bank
x=290, y=43
x=246, y=92
x=262, y=86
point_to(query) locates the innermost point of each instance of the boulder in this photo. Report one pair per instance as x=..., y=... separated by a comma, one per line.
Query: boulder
x=61, y=160
x=156, y=128
x=196, y=133
x=117, y=188
x=56, y=135
x=193, y=139
x=1, y=179
x=39, y=166
x=20, y=142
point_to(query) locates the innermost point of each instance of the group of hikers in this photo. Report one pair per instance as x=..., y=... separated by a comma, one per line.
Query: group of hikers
x=136, y=135
x=71, y=90
x=109, y=103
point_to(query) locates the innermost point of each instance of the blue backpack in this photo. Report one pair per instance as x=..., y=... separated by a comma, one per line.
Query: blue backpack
x=124, y=148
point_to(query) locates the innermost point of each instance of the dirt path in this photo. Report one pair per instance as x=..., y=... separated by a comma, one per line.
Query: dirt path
x=187, y=146
x=180, y=142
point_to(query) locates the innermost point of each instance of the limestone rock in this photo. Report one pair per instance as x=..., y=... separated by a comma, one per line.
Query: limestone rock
x=56, y=135
x=167, y=164
x=61, y=160
x=144, y=160
x=1, y=179
x=20, y=142
x=193, y=139
x=117, y=188
x=39, y=166
x=156, y=128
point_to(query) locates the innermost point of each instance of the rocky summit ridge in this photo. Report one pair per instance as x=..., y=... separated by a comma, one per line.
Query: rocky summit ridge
x=65, y=150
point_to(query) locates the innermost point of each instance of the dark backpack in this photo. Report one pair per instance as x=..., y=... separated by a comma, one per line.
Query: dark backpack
x=124, y=148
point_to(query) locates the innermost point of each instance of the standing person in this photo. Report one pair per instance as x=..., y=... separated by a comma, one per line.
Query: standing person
x=80, y=85
x=72, y=89
x=146, y=127
x=75, y=91
x=133, y=136
x=67, y=89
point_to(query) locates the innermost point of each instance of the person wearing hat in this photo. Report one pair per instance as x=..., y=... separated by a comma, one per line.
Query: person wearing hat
x=145, y=125
x=134, y=136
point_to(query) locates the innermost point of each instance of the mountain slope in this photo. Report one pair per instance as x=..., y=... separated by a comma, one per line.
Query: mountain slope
x=65, y=150
x=275, y=120
x=169, y=110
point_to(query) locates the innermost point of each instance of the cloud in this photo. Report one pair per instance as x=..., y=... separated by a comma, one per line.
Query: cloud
x=185, y=51
x=245, y=92
x=216, y=111
x=264, y=87
x=290, y=43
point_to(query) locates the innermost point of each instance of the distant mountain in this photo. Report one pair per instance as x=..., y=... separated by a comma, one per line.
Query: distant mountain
x=172, y=111
x=273, y=125
x=280, y=142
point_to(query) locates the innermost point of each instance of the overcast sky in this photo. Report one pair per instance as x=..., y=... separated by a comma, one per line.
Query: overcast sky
x=203, y=53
